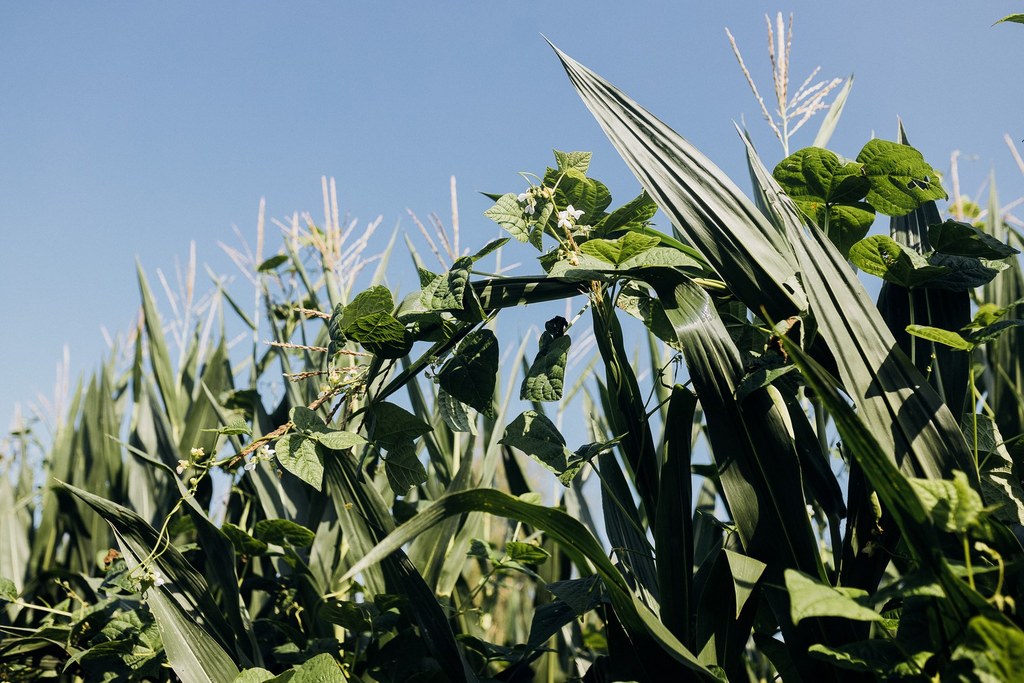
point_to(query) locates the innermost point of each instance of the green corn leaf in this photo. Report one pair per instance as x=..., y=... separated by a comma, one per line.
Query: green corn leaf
x=835, y=110
x=673, y=537
x=195, y=636
x=573, y=538
x=1014, y=18
x=366, y=522
x=158, y=355
x=905, y=413
x=726, y=228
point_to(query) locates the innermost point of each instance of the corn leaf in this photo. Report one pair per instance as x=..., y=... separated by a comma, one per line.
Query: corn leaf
x=573, y=538
x=739, y=243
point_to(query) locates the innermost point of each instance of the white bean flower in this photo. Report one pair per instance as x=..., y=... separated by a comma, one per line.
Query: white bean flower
x=568, y=218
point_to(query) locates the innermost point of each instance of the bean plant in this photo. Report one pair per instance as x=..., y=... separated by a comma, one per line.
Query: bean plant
x=758, y=471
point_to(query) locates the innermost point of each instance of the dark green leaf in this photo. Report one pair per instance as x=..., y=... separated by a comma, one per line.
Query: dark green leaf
x=575, y=540
x=489, y=248
x=993, y=331
x=272, y=263
x=305, y=420
x=193, y=630
x=244, y=543
x=453, y=412
x=830, y=191
x=536, y=435
x=470, y=375
x=394, y=425
x=964, y=273
x=447, y=291
x=283, y=532
x=636, y=214
x=963, y=239
x=404, y=468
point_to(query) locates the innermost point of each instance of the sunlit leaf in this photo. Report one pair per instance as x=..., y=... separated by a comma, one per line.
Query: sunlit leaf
x=298, y=455
x=900, y=178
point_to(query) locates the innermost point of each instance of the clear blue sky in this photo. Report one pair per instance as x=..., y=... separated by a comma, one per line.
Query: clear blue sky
x=129, y=129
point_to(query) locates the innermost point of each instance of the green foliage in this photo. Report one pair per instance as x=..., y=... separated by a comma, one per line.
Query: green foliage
x=410, y=534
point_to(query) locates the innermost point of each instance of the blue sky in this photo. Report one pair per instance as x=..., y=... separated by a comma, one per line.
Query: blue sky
x=128, y=130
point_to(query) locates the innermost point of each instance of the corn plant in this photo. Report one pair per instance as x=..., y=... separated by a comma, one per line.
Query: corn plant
x=379, y=514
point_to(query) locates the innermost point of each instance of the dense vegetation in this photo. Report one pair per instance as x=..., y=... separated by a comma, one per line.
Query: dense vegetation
x=781, y=479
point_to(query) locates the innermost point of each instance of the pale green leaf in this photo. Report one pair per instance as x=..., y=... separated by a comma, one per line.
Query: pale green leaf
x=508, y=213
x=947, y=337
x=298, y=455
x=619, y=250
x=577, y=161
x=808, y=598
x=526, y=553
x=337, y=440
x=953, y=505
x=883, y=256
